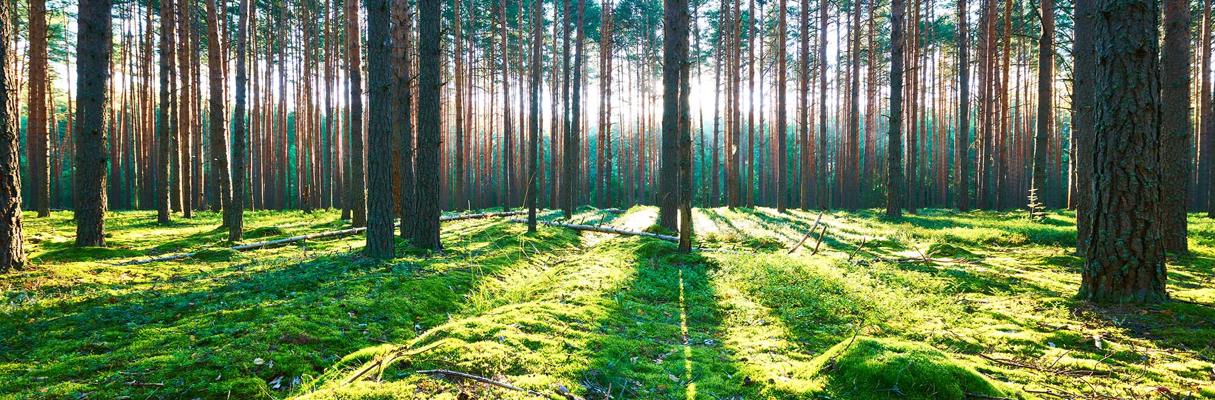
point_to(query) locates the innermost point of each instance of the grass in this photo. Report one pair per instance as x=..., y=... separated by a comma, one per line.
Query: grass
x=933, y=305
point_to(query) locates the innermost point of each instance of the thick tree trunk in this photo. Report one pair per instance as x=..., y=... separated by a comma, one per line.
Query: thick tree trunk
x=894, y=146
x=426, y=234
x=37, y=133
x=1083, y=133
x=219, y=124
x=1125, y=258
x=12, y=251
x=1206, y=134
x=1175, y=125
x=93, y=76
x=673, y=33
x=380, y=243
x=781, y=109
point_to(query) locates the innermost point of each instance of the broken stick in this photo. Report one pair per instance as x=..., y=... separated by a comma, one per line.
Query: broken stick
x=809, y=233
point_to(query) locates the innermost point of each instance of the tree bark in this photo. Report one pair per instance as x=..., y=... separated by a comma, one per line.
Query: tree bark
x=219, y=125
x=12, y=250
x=673, y=33
x=962, y=135
x=1046, y=76
x=1083, y=133
x=1125, y=257
x=533, y=131
x=380, y=243
x=403, y=112
x=894, y=146
x=37, y=134
x=358, y=175
x=1175, y=125
x=234, y=210
x=93, y=76
x=426, y=235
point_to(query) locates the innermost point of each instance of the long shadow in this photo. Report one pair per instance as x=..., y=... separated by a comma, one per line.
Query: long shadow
x=264, y=321
x=663, y=336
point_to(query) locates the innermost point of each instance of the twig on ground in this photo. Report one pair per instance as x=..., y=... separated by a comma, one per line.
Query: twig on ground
x=858, y=248
x=461, y=375
x=809, y=233
x=820, y=240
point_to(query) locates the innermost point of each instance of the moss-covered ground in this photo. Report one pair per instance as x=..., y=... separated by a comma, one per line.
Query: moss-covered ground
x=937, y=305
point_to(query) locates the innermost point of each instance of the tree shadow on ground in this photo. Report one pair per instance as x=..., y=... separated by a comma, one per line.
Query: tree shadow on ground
x=662, y=337
x=211, y=333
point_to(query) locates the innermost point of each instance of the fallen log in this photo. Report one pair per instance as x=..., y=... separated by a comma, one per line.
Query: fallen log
x=311, y=236
x=603, y=229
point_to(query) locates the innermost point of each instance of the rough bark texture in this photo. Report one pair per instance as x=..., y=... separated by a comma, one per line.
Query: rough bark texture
x=674, y=31
x=894, y=146
x=12, y=251
x=234, y=211
x=36, y=130
x=1125, y=257
x=426, y=233
x=823, y=196
x=358, y=174
x=219, y=122
x=573, y=135
x=380, y=243
x=1175, y=125
x=93, y=76
x=962, y=135
x=1082, y=122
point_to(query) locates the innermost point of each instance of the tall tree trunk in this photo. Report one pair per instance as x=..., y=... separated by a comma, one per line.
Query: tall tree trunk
x=894, y=146
x=781, y=109
x=533, y=134
x=234, y=210
x=1175, y=125
x=426, y=235
x=573, y=135
x=380, y=243
x=1125, y=258
x=219, y=125
x=673, y=33
x=461, y=189
x=1206, y=138
x=823, y=195
x=163, y=125
x=402, y=50
x=358, y=177
x=1083, y=105
x=684, y=123
x=508, y=185
x=37, y=133
x=1046, y=77
x=12, y=250
x=805, y=193
x=962, y=135
x=93, y=76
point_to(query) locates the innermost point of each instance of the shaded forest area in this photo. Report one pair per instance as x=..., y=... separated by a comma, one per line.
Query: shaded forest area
x=607, y=199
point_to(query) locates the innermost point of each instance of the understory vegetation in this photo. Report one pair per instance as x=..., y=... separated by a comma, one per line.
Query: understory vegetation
x=935, y=305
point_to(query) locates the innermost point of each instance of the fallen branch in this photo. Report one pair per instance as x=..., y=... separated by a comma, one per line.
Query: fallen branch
x=809, y=233
x=858, y=248
x=820, y=240
x=603, y=229
x=311, y=236
x=1060, y=371
x=481, y=379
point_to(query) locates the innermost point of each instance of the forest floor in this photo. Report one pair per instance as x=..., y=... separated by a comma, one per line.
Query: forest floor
x=933, y=305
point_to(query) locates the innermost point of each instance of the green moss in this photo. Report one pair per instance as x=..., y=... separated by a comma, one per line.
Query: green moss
x=872, y=368
x=216, y=254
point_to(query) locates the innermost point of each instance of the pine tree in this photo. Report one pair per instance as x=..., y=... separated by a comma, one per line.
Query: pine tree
x=93, y=76
x=12, y=251
x=380, y=243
